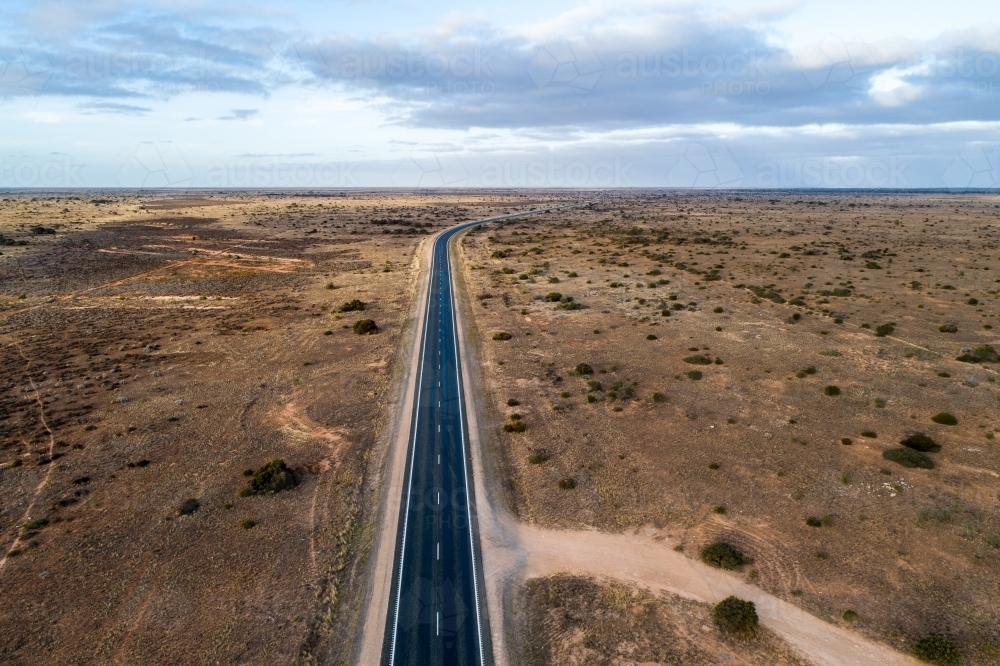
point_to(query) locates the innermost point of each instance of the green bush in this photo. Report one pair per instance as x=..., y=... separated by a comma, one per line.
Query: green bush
x=981, y=354
x=659, y=397
x=352, y=306
x=937, y=650
x=188, y=506
x=502, y=335
x=883, y=330
x=595, y=385
x=948, y=328
x=722, y=555
x=813, y=521
x=248, y=524
x=945, y=418
x=651, y=337
x=538, y=457
x=553, y=296
x=846, y=441
x=272, y=478
x=583, y=369
x=831, y=390
x=736, y=617
x=36, y=524
x=918, y=441
x=694, y=375
x=908, y=458
x=365, y=327
x=698, y=359
x=515, y=426
x=512, y=402
x=567, y=483
x=850, y=616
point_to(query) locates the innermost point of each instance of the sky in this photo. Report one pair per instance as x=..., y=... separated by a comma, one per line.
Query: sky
x=414, y=93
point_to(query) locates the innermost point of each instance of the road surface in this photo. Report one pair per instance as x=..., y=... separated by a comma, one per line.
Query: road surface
x=437, y=613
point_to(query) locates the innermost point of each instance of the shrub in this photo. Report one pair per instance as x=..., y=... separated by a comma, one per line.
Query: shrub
x=698, y=359
x=568, y=304
x=352, y=306
x=515, y=426
x=583, y=369
x=512, y=402
x=717, y=310
x=502, y=335
x=944, y=418
x=850, y=616
x=948, y=328
x=737, y=617
x=659, y=397
x=188, y=507
x=595, y=385
x=973, y=301
x=567, y=483
x=248, y=524
x=918, y=441
x=722, y=555
x=651, y=337
x=365, y=327
x=813, y=521
x=846, y=441
x=718, y=508
x=937, y=650
x=981, y=354
x=538, y=457
x=908, y=458
x=714, y=465
x=36, y=524
x=883, y=330
x=870, y=434
x=272, y=478
x=553, y=296
x=694, y=375
x=831, y=390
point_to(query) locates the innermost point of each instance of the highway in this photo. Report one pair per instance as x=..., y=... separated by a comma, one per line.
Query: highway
x=437, y=611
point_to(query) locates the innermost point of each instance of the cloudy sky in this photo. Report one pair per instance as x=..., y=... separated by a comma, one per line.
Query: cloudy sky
x=808, y=93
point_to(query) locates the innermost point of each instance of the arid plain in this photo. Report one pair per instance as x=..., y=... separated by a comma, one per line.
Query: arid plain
x=726, y=367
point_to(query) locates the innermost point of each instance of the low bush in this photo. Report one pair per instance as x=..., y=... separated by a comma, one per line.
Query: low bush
x=870, y=434
x=918, y=441
x=850, y=616
x=659, y=397
x=36, y=524
x=515, y=426
x=736, y=617
x=831, y=390
x=248, y=524
x=352, y=306
x=722, y=555
x=694, y=375
x=981, y=354
x=538, y=457
x=553, y=297
x=595, y=385
x=883, y=330
x=948, y=328
x=945, y=418
x=651, y=337
x=502, y=335
x=583, y=369
x=188, y=506
x=846, y=441
x=567, y=483
x=937, y=650
x=698, y=359
x=512, y=402
x=365, y=327
x=813, y=521
x=908, y=458
x=273, y=477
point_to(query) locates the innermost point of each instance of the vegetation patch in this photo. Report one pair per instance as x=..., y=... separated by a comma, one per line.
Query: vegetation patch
x=937, y=650
x=698, y=359
x=365, y=327
x=272, y=478
x=567, y=483
x=352, y=306
x=948, y=328
x=831, y=390
x=945, y=418
x=736, y=617
x=188, y=506
x=981, y=354
x=918, y=441
x=502, y=335
x=722, y=555
x=883, y=330
x=908, y=458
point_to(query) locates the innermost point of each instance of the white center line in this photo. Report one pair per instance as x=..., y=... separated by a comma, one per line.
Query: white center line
x=437, y=623
x=439, y=550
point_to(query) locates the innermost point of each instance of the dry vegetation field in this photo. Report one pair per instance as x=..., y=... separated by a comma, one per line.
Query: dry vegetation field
x=152, y=348
x=742, y=368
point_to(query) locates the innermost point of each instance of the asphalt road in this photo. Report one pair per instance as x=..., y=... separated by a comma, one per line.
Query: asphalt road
x=437, y=612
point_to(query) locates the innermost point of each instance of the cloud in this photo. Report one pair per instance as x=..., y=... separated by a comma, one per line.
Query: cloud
x=113, y=108
x=241, y=114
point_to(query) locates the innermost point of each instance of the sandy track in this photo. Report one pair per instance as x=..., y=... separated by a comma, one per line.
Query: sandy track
x=514, y=552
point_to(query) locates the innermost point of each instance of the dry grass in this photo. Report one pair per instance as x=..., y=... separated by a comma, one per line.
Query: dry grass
x=800, y=304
